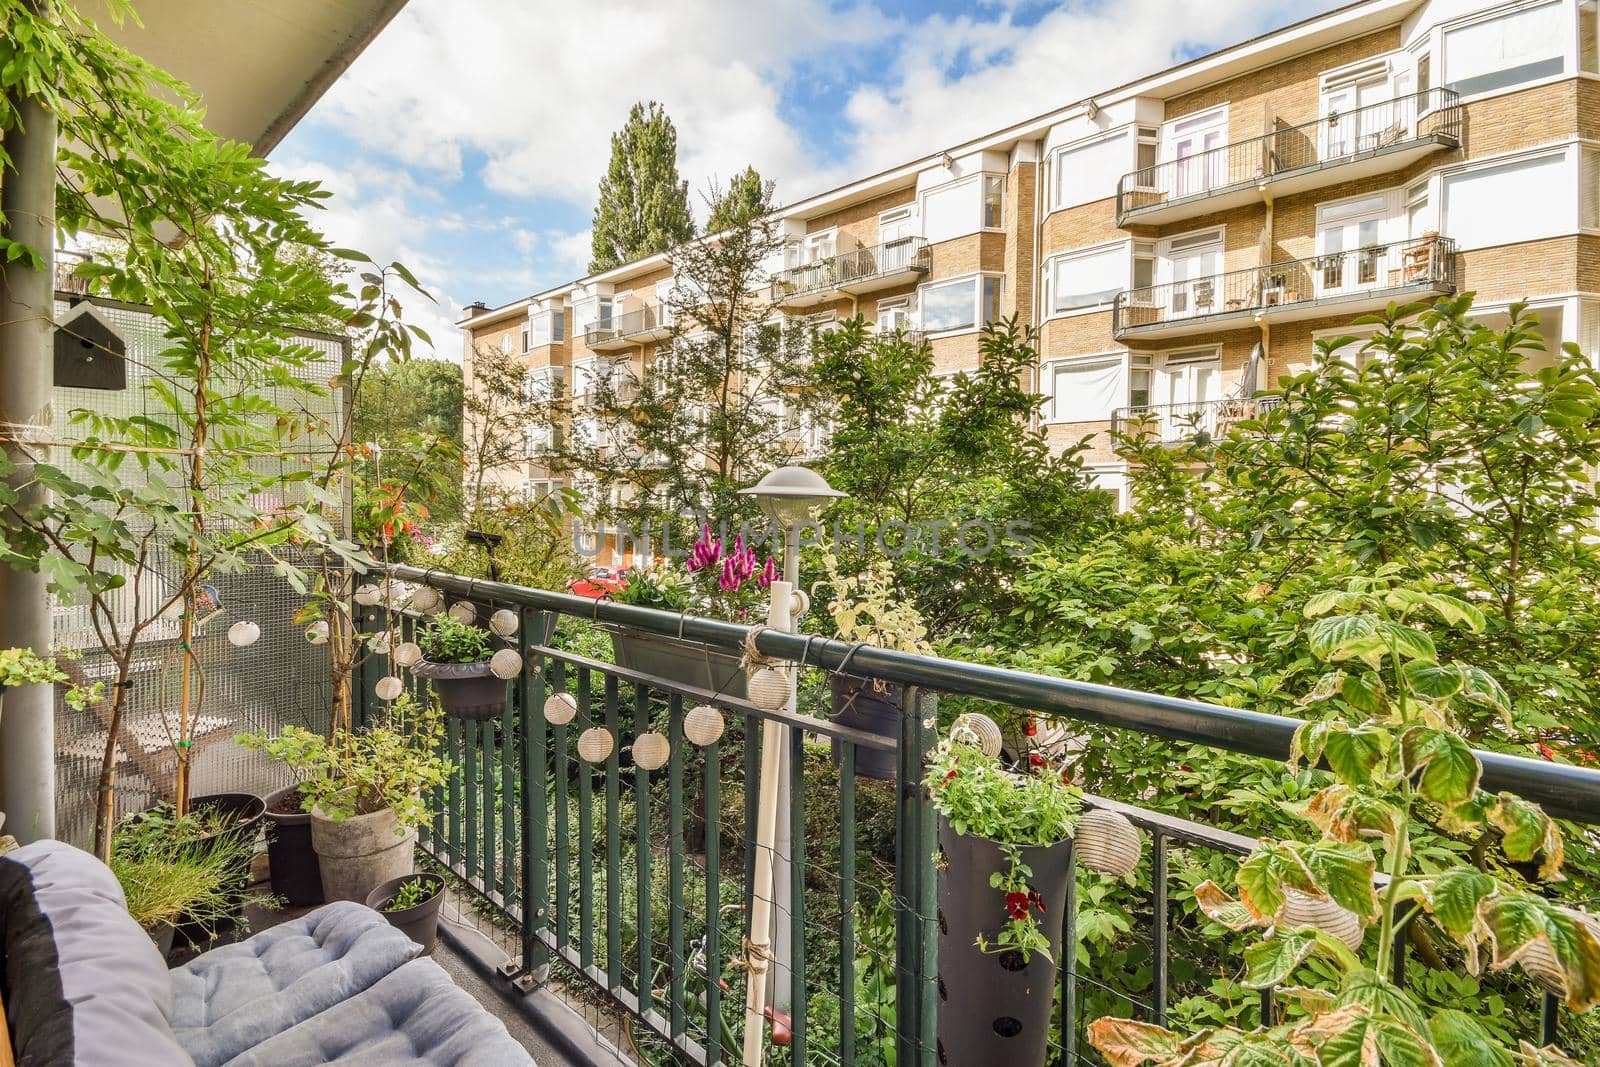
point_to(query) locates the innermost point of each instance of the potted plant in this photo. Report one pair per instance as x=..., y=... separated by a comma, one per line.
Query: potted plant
x=455, y=658
x=869, y=608
x=714, y=581
x=1330, y=930
x=1004, y=847
x=411, y=903
x=171, y=877
x=296, y=875
x=364, y=792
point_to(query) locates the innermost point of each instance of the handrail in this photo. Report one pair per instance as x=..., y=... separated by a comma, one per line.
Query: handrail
x=890, y=257
x=1178, y=421
x=641, y=319
x=1327, y=140
x=1564, y=791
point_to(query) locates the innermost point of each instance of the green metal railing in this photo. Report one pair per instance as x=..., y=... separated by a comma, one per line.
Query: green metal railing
x=637, y=881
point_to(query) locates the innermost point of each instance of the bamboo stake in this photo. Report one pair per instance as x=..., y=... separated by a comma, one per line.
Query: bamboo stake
x=758, y=944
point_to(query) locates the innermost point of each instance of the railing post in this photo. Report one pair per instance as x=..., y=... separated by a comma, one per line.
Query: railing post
x=535, y=816
x=915, y=895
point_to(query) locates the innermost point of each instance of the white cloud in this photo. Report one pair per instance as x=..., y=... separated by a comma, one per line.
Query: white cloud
x=571, y=250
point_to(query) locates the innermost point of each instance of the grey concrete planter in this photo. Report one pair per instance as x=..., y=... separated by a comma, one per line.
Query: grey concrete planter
x=465, y=690
x=358, y=854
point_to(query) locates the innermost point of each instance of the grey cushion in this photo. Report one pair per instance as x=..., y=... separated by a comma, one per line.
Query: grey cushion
x=416, y=1017
x=235, y=997
x=83, y=983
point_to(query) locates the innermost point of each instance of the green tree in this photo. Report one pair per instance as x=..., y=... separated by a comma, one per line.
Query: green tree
x=747, y=196
x=643, y=206
x=417, y=395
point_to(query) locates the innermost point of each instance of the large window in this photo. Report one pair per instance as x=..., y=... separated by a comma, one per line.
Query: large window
x=547, y=327
x=1090, y=171
x=1510, y=49
x=963, y=207
x=1524, y=200
x=1589, y=190
x=1088, y=279
x=1087, y=389
x=962, y=304
x=994, y=193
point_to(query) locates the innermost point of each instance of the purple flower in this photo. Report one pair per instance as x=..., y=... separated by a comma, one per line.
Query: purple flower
x=729, y=581
x=706, y=552
x=769, y=574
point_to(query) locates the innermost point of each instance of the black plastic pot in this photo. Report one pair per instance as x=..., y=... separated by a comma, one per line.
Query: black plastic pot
x=861, y=706
x=247, y=810
x=296, y=875
x=993, y=1007
x=162, y=934
x=465, y=690
x=677, y=659
x=419, y=923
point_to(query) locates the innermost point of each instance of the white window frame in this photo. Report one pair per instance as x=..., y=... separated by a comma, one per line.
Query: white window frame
x=1047, y=378
x=1208, y=175
x=1569, y=59
x=983, y=193
x=977, y=180
x=1085, y=252
x=1128, y=134
x=905, y=214
x=975, y=279
x=903, y=308
x=1167, y=286
x=1589, y=187
x=1563, y=152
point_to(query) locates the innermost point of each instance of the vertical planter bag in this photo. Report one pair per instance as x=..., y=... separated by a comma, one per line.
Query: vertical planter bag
x=465, y=690
x=993, y=1008
x=858, y=704
x=296, y=875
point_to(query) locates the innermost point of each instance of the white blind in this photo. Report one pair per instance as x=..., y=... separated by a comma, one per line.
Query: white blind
x=1090, y=171
x=1089, y=280
x=1087, y=392
x=1476, y=203
x=1509, y=50
x=951, y=210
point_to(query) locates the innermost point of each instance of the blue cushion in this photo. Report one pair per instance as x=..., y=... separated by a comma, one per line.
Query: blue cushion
x=416, y=1017
x=237, y=996
x=83, y=983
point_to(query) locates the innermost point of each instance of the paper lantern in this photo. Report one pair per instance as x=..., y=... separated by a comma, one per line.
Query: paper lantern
x=317, y=632
x=388, y=687
x=703, y=725
x=407, y=654
x=463, y=612
x=650, y=750
x=369, y=594
x=768, y=688
x=594, y=744
x=379, y=643
x=1302, y=911
x=504, y=622
x=507, y=663
x=244, y=633
x=560, y=709
x=978, y=730
x=1539, y=961
x=425, y=600
x=1107, y=842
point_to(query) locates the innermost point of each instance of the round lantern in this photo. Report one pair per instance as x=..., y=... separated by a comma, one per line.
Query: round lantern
x=379, y=642
x=388, y=687
x=368, y=594
x=1302, y=911
x=560, y=709
x=425, y=600
x=317, y=632
x=463, y=612
x=503, y=622
x=407, y=654
x=507, y=663
x=594, y=744
x=978, y=730
x=768, y=688
x=703, y=725
x=1107, y=842
x=650, y=750
x=244, y=633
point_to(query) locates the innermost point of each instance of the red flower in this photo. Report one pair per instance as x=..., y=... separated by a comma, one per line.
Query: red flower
x=1030, y=727
x=1036, y=900
x=1066, y=775
x=1017, y=905
x=1035, y=760
x=951, y=776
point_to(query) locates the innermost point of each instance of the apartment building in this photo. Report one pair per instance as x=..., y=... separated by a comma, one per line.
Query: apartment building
x=1182, y=241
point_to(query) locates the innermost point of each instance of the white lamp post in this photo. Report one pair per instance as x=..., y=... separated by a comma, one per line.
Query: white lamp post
x=789, y=496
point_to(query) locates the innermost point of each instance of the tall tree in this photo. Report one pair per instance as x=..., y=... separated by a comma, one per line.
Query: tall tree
x=742, y=203
x=644, y=205
x=494, y=415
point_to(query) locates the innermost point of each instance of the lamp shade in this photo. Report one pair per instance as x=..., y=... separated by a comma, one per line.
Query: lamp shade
x=793, y=494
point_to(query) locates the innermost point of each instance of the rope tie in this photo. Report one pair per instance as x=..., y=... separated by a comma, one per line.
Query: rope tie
x=753, y=656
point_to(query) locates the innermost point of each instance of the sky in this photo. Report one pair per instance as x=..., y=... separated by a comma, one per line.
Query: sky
x=468, y=140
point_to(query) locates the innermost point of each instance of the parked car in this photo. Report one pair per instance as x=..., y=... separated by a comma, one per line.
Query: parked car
x=600, y=582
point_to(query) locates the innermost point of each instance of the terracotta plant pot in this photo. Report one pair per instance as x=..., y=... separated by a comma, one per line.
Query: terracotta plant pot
x=993, y=1007
x=861, y=706
x=421, y=922
x=358, y=854
x=465, y=690
x=296, y=876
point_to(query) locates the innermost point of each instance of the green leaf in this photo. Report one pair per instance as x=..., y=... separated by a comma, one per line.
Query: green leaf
x=1461, y=1042
x=1271, y=961
x=1353, y=754
x=1344, y=872
x=1453, y=898
x=1433, y=681
x=1266, y=873
x=1381, y=997
x=1409, y=642
x=1446, y=769
x=1342, y=637
x=1515, y=921
x=1527, y=832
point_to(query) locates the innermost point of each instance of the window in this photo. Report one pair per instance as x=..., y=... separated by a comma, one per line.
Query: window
x=543, y=384
x=587, y=374
x=1589, y=190
x=1510, y=49
x=524, y=337
x=897, y=223
x=962, y=304
x=1419, y=214
x=505, y=344
x=1087, y=389
x=1144, y=265
x=593, y=313
x=1519, y=201
x=1589, y=36
x=952, y=210
x=1088, y=279
x=1090, y=171
x=894, y=315
x=994, y=189
x=1148, y=154
x=547, y=327
x=1139, y=382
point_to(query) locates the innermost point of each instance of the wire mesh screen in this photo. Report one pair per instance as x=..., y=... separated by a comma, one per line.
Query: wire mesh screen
x=278, y=680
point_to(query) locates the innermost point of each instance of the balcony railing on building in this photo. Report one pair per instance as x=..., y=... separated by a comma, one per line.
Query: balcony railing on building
x=1339, y=147
x=652, y=322
x=1192, y=420
x=1351, y=281
x=885, y=266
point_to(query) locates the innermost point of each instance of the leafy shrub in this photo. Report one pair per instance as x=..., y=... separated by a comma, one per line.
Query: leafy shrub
x=447, y=640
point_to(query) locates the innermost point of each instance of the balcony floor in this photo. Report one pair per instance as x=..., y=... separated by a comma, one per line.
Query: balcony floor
x=1354, y=303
